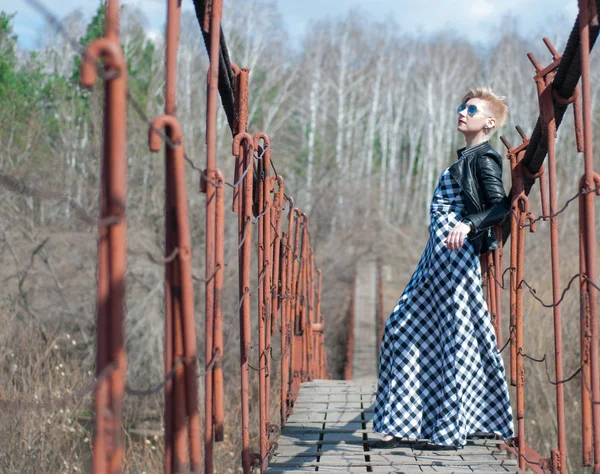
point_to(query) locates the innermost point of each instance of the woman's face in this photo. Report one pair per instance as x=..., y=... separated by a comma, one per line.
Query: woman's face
x=468, y=125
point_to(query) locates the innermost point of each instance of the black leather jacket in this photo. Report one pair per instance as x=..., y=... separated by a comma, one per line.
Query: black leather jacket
x=479, y=174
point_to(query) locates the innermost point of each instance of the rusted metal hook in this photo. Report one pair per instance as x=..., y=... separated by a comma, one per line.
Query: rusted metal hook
x=107, y=49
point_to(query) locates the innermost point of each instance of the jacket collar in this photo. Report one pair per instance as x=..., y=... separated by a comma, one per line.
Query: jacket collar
x=473, y=149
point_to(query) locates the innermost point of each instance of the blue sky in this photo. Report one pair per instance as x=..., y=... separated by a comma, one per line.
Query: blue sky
x=480, y=20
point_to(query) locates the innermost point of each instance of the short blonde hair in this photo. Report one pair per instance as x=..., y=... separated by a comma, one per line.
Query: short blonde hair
x=498, y=103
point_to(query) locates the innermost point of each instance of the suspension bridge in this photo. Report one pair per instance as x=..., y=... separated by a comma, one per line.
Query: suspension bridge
x=324, y=425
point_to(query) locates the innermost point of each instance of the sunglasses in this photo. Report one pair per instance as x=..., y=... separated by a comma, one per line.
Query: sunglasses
x=471, y=109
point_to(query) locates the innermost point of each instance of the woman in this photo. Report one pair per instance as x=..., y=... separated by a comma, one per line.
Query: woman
x=441, y=377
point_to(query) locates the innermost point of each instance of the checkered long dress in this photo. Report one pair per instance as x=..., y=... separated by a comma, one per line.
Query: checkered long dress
x=441, y=377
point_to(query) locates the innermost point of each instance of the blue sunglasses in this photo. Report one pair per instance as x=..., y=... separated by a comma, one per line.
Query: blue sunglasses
x=471, y=109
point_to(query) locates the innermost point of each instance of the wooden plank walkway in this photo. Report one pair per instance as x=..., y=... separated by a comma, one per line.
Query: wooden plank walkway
x=331, y=429
x=366, y=343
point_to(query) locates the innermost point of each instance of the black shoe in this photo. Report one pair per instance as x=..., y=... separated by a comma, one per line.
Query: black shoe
x=381, y=444
x=440, y=447
x=481, y=435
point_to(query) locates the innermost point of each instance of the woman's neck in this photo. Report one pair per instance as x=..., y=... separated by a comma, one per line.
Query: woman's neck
x=476, y=140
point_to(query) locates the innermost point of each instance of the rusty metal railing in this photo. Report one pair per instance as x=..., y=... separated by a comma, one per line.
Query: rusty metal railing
x=556, y=89
x=286, y=273
x=112, y=246
x=349, y=360
x=289, y=284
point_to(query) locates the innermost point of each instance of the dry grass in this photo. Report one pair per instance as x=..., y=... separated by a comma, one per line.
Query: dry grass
x=47, y=349
x=38, y=384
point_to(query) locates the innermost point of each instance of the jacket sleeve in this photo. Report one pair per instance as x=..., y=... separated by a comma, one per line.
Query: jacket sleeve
x=495, y=202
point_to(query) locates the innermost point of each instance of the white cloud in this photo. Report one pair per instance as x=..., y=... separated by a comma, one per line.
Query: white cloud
x=482, y=9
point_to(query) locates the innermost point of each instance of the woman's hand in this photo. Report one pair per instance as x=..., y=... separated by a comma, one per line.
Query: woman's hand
x=457, y=235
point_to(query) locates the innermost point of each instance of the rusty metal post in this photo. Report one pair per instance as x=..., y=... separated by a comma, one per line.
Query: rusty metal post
x=350, y=343
x=183, y=298
x=309, y=284
x=287, y=335
x=112, y=245
x=102, y=424
x=264, y=290
x=172, y=35
x=512, y=157
x=585, y=338
x=247, y=246
x=241, y=92
x=289, y=300
x=520, y=213
x=215, y=7
x=212, y=15
x=180, y=432
x=301, y=308
x=302, y=295
x=276, y=287
x=296, y=346
x=262, y=363
x=543, y=80
x=313, y=316
x=219, y=411
x=497, y=282
x=243, y=145
x=492, y=291
x=312, y=320
x=522, y=202
x=321, y=347
x=306, y=310
x=515, y=156
x=170, y=331
x=514, y=241
x=267, y=264
x=524, y=214
x=586, y=14
x=169, y=392
x=209, y=314
x=380, y=314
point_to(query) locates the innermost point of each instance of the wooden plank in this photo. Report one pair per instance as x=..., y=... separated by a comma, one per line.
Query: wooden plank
x=317, y=427
x=331, y=429
x=343, y=437
x=357, y=462
x=295, y=418
x=310, y=399
x=301, y=470
x=407, y=459
x=439, y=456
x=347, y=416
x=342, y=409
x=492, y=470
x=411, y=469
x=331, y=406
x=358, y=441
x=323, y=450
x=359, y=392
x=301, y=436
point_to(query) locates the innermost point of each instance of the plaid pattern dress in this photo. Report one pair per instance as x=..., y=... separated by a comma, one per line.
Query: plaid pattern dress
x=441, y=377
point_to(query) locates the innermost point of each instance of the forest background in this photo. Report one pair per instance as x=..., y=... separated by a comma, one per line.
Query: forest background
x=362, y=121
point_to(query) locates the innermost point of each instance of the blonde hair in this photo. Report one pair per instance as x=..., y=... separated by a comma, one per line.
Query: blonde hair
x=498, y=104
